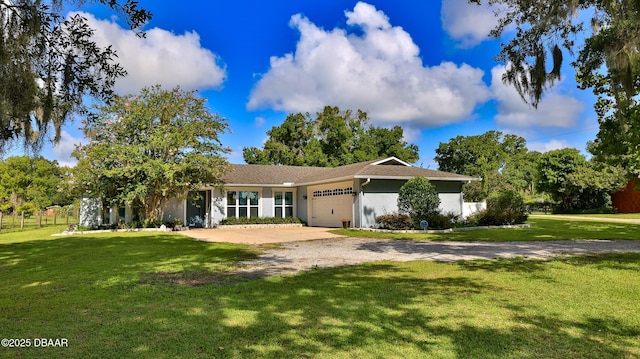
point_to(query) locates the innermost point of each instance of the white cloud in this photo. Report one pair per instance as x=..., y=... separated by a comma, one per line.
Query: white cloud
x=548, y=146
x=554, y=110
x=62, y=151
x=378, y=71
x=259, y=121
x=160, y=58
x=469, y=24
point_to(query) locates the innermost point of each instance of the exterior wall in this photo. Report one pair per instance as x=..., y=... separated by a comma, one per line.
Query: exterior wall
x=450, y=194
x=175, y=208
x=266, y=201
x=380, y=197
x=218, y=207
x=218, y=211
x=300, y=204
x=90, y=210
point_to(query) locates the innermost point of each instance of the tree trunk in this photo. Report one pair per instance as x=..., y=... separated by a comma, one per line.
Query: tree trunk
x=22, y=220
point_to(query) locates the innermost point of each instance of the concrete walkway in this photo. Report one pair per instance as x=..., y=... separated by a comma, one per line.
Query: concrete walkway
x=261, y=235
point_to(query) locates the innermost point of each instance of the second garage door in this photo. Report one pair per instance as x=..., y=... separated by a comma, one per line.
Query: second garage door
x=331, y=204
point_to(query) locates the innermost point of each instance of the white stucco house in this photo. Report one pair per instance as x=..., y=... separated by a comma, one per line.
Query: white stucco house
x=319, y=196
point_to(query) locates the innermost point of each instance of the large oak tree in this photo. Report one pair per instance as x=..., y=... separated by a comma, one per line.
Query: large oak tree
x=48, y=63
x=331, y=138
x=545, y=32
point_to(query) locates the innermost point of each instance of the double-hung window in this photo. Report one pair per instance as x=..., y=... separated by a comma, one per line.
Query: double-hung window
x=242, y=203
x=283, y=202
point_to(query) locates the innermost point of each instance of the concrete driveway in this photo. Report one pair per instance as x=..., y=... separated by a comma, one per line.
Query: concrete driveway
x=261, y=235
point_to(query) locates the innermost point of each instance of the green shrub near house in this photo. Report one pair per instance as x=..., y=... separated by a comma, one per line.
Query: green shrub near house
x=259, y=220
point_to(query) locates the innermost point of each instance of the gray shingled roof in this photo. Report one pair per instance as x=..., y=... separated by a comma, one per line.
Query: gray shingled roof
x=279, y=175
x=268, y=175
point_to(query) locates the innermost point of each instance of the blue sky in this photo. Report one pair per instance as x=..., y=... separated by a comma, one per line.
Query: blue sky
x=425, y=65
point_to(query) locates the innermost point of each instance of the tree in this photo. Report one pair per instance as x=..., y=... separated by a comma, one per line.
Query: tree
x=521, y=172
x=36, y=180
x=544, y=29
x=332, y=138
x=49, y=63
x=146, y=149
x=419, y=199
x=481, y=155
x=577, y=184
x=608, y=62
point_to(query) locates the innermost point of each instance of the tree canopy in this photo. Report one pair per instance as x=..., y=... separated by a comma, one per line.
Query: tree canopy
x=332, y=138
x=481, y=155
x=37, y=181
x=607, y=61
x=146, y=149
x=577, y=184
x=48, y=63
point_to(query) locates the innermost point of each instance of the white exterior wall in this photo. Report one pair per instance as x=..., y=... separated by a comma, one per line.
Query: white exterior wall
x=175, y=208
x=90, y=210
x=380, y=197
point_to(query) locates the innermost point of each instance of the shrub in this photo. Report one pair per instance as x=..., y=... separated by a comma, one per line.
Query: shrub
x=418, y=198
x=259, y=220
x=504, y=207
x=438, y=220
x=394, y=221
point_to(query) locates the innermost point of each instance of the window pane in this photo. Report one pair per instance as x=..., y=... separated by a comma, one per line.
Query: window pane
x=243, y=211
x=231, y=212
x=288, y=212
x=253, y=211
x=278, y=198
x=231, y=197
x=288, y=198
x=253, y=198
x=278, y=211
x=242, y=197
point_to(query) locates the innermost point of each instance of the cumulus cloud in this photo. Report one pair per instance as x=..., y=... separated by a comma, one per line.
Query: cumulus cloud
x=548, y=146
x=160, y=58
x=469, y=24
x=61, y=152
x=376, y=69
x=554, y=110
x=259, y=121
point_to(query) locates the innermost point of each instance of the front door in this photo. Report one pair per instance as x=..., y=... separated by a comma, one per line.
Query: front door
x=197, y=211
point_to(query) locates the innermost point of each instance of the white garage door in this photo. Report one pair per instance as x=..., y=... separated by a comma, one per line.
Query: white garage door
x=331, y=204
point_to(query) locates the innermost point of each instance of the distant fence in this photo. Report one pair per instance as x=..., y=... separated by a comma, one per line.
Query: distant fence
x=17, y=221
x=470, y=208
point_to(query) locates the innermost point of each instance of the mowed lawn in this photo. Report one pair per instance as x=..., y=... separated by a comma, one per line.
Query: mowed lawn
x=542, y=229
x=150, y=295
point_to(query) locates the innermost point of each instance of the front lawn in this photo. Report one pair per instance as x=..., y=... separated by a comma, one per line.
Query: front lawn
x=150, y=295
x=542, y=229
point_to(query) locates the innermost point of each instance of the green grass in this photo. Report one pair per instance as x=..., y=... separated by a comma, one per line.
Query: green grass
x=11, y=224
x=542, y=229
x=133, y=295
x=604, y=215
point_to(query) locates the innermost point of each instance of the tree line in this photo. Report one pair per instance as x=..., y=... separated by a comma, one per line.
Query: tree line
x=29, y=184
x=564, y=176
